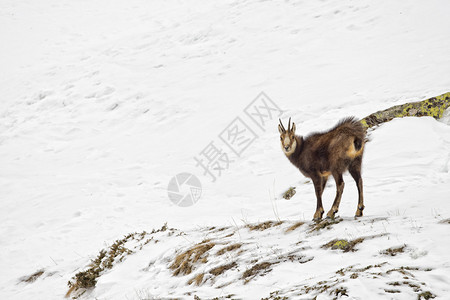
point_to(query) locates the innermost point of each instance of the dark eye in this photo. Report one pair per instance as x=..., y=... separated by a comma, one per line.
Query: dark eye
x=281, y=138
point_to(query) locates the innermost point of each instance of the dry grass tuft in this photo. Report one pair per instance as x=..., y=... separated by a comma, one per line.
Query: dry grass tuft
x=198, y=279
x=295, y=226
x=446, y=221
x=221, y=269
x=229, y=248
x=264, y=225
x=107, y=258
x=184, y=261
x=33, y=277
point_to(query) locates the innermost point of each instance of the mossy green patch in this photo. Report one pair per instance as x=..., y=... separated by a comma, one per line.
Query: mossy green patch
x=343, y=245
x=432, y=107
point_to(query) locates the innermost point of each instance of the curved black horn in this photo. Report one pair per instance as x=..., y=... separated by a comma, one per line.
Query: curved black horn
x=282, y=126
x=289, y=125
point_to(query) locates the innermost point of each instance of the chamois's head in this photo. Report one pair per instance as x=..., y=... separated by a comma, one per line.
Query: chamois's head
x=287, y=137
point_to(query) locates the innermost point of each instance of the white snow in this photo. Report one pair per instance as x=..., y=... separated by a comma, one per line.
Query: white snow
x=103, y=102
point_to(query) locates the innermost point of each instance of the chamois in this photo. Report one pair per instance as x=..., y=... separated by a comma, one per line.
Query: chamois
x=320, y=155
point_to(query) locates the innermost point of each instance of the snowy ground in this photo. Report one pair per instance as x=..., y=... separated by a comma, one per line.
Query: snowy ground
x=103, y=102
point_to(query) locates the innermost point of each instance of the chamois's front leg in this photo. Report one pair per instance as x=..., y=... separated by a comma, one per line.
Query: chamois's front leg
x=318, y=186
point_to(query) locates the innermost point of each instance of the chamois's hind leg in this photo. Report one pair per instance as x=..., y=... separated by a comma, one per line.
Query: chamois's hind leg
x=324, y=182
x=355, y=171
x=318, y=187
x=339, y=190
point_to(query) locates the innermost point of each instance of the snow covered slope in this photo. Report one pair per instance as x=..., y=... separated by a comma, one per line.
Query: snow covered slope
x=103, y=102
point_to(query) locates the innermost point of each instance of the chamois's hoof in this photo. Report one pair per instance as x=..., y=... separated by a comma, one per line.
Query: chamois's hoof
x=359, y=212
x=331, y=214
x=317, y=219
x=318, y=215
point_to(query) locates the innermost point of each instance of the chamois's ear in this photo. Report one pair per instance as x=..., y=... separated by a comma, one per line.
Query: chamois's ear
x=293, y=127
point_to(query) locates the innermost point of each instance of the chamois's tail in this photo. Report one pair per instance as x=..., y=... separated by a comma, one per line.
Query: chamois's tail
x=351, y=128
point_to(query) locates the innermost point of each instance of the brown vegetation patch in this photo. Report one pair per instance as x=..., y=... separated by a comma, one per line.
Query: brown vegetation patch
x=221, y=269
x=325, y=223
x=289, y=193
x=258, y=269
x=33, y=277
x=184, y=261
x=108, y=257
x=406, y=270
x=105, y=260
x=229, y=248
x=229, y=296
x=336, y=286
x=264, y=225
x=321, y=287
x=416, y=288
x=198, y=279
x=275, y=296
x=393, y=251
x=298, y=258
x=341, y=291
x=295, y=226
x=425, y=295
x=218, y=229
x=446, y=221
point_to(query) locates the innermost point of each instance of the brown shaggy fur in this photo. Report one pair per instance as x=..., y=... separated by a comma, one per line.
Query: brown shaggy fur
x=329, y=153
